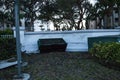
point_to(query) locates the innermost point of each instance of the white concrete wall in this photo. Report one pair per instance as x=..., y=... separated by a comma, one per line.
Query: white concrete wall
x=76, y=40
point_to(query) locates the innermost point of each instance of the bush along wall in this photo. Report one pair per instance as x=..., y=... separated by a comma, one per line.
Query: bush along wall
x=107, y=53
x=6, y=32
x=7, y=48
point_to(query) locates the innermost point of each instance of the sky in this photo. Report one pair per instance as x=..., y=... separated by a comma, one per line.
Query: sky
x=92, y=1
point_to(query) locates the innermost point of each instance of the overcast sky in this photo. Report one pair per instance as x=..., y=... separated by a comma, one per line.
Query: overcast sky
x=92, y=1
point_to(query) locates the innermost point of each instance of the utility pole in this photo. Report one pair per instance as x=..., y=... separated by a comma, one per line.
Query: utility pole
x=18, y=37
x=20, y=75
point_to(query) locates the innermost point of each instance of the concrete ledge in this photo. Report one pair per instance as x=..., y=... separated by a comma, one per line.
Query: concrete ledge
x=77, y=31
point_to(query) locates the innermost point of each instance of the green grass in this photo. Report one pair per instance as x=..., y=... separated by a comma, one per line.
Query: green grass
x=62, y=66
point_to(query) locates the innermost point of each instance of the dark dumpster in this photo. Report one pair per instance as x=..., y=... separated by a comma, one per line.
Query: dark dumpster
x=52, y=45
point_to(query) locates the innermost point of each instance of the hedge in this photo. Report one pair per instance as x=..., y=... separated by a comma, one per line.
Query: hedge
x=109, y=51
x=6, y=32
x=7, y=48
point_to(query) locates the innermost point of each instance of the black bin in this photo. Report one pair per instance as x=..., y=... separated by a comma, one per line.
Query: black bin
x=52, y=45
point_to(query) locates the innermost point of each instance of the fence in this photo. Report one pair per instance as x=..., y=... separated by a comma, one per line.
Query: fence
x=6, y=36
x=76, y=40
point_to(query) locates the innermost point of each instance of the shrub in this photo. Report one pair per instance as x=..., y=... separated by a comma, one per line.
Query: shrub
x=108, y=52
x=6, y=32
x=7, y=48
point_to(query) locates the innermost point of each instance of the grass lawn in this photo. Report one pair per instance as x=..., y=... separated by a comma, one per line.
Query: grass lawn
x=62, y=66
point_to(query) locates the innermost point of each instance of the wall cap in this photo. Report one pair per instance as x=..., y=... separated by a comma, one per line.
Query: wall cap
x=68, y=32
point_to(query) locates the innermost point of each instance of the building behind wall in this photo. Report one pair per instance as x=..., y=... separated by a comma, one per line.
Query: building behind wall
x=111, y=21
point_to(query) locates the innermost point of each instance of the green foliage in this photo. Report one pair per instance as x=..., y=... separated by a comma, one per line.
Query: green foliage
x=7, y=48
x=6, y=32
x=48, y=10
x=107, y=52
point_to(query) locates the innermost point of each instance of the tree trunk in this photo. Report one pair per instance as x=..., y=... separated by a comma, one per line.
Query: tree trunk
x=32, y=23
x=4, y=24
x=96, y=23
x=48, y=27
x=86, y=24
x=32, y=26
x=119, y=16
x=100, y=24
x=105, y=21
x=113, y=19
x=78, y=27
x=81, y=25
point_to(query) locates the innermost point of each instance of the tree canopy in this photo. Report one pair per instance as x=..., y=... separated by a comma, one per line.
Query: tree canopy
x=68, y=14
